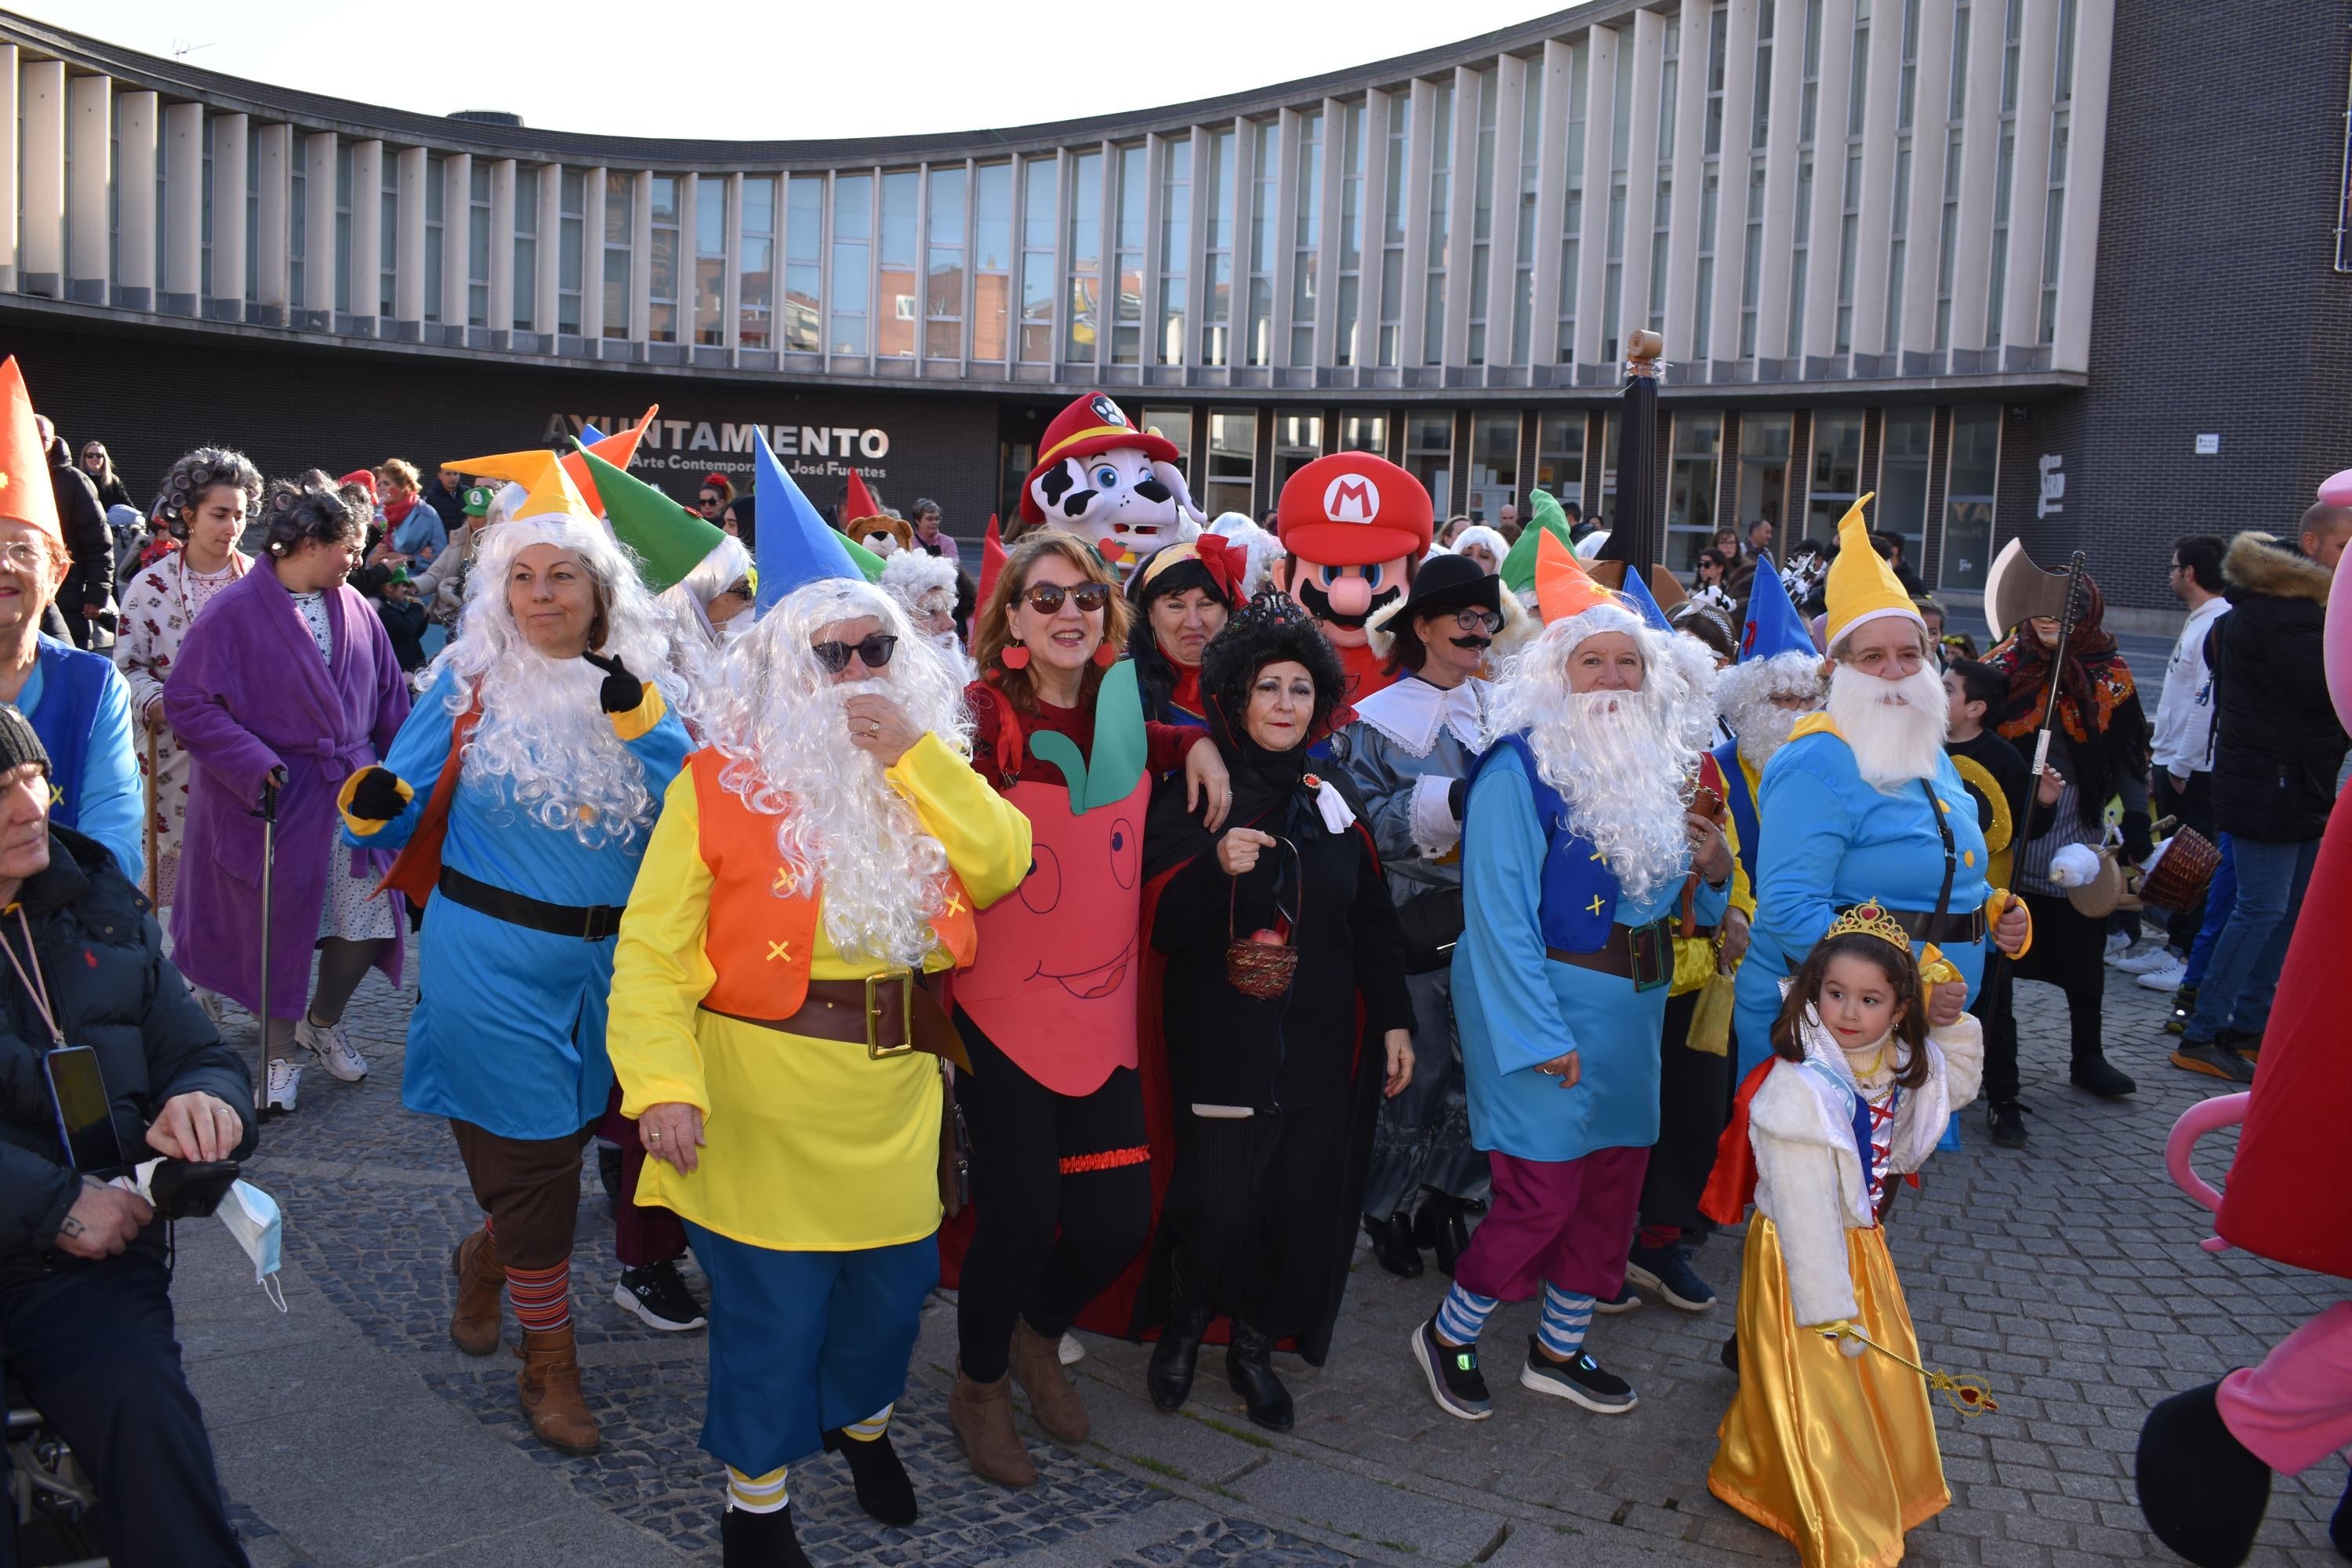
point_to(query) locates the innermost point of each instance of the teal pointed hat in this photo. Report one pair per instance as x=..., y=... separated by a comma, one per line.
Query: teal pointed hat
x=796, y=545
x=1773, y=625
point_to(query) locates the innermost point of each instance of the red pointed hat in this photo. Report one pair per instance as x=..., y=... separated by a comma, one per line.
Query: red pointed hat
x=1352, y=509
x=992, y=558
x=856, y=501
x=1089, y=425
x=25, y=492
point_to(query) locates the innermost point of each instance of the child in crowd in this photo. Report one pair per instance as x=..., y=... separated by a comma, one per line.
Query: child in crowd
x=1830, y=1441
x=2000, y=781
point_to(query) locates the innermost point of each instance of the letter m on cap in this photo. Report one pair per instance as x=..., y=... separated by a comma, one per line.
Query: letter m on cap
x=1352, y=498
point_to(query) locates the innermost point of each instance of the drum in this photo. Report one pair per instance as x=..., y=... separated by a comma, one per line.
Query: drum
x=2177, y=875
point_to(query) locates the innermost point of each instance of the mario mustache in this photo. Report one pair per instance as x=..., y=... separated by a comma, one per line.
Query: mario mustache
x=1473, y=640
x=1310, y=594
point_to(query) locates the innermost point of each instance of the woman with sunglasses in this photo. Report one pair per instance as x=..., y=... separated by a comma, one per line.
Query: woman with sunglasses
x=1061, y=1173
x=1182, y=595
x=100, y=468
x=1409, y=754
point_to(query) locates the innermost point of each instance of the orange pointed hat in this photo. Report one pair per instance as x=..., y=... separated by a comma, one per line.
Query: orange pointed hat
x=617, y=450
x=25, y=492
x=1563, y=587
x=548, y=481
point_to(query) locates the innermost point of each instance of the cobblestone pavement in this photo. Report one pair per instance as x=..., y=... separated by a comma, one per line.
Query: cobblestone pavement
x=2068, y=1274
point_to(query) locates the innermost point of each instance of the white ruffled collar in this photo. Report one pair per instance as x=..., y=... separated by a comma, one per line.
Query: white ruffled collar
x=1411, y=712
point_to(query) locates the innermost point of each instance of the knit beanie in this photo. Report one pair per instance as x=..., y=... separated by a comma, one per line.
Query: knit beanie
x=18, y=743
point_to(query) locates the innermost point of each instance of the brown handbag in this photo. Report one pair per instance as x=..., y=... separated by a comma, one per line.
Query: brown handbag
x=955, y=1149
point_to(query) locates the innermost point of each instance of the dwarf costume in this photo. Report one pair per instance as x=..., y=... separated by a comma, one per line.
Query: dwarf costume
x=1833, y=1450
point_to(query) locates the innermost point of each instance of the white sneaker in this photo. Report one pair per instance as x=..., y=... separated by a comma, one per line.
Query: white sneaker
x=211, y=1003
x=2155, y=957
x=285, y=1083
x=334, y=1048
x=2118, y=945
x=2168, y=978
x=1071, y=1351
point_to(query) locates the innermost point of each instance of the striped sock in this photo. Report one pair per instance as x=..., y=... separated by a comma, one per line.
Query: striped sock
x=873, y=1426
x=1565, y=1320
x=1464, y=1314
x=541, y=1297
x=757, y=1494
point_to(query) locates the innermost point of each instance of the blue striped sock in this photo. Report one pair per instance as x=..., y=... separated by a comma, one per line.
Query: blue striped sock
x=1464, y=1314
x=1565, y=1320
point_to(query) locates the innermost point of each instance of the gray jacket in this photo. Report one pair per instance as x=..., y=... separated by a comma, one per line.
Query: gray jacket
x=1410, y=744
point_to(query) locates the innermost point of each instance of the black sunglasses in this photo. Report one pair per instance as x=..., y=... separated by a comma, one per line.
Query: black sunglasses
x=1045, y=598
x=874, y=652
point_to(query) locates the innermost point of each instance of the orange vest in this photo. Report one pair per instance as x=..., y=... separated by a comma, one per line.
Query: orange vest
x=759, y=937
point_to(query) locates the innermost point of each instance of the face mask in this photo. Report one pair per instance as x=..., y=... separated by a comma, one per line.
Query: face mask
x=252, y=1216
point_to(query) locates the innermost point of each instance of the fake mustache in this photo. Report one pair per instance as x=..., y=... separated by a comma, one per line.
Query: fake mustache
x=1474, y=640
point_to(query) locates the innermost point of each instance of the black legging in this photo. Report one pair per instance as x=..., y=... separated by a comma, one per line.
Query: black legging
x=1044, y=1242
x=2069, y=952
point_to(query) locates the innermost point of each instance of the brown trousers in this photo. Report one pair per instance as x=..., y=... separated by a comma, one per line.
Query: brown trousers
x=530, y=1189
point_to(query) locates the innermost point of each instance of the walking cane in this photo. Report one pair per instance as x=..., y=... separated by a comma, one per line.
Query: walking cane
x=154, y=878
x=268, y=864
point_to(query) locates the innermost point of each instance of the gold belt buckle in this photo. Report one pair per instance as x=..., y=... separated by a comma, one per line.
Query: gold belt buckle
x=875, y=1049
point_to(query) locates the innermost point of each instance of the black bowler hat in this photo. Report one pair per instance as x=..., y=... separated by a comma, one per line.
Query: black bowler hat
x=1442, y=583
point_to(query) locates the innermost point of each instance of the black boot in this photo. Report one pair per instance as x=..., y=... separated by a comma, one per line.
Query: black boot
x=2007, y=1117
x=1249, y=1365
x=1392, y=1245
x=1439, y=1225
x=883, y=1490
x=2204, y=1493
x=760, y=1540
x=1178, y=1354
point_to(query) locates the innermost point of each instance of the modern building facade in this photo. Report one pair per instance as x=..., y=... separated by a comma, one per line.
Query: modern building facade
x=1962, y=253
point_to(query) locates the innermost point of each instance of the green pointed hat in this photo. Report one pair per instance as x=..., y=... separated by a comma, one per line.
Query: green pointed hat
x=1544, y=516
x=669, y=540
x=866, y=561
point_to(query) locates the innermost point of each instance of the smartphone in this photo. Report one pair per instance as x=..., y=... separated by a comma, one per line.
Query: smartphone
x=85, y=1113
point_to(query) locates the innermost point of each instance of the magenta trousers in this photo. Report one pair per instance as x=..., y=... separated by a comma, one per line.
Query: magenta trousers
x=641, y=1236
x=2294, y=1409
x=1567, y=1221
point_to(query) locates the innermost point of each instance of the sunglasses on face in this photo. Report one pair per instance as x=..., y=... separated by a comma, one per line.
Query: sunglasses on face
x=874, y=652
x=1045, y=598
x=1474, y=619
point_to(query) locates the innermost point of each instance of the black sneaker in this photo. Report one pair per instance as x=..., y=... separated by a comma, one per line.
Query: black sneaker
x=2246, y=1043
x=2097, y=1075
x=2184, y=1007
x=2008, y=1120
x=1453, y=1374
x=1581, y=1380
x=2214, y=1060
x=657, y=1294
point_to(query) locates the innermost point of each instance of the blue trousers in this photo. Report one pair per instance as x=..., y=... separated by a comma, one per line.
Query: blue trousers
x=802, y=1343
x=2220, y=895
x=2244, y=973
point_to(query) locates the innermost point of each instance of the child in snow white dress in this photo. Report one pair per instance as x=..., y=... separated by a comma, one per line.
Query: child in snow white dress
x=1829, y=1443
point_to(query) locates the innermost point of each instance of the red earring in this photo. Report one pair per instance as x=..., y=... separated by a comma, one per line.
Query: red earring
x=1105, y=655
x=1015, y=657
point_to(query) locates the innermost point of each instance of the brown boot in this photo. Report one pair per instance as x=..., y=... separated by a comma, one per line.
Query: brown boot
x=1037, y=1363
x=474, y=1324
x=982, y=1416
x=548, y=1383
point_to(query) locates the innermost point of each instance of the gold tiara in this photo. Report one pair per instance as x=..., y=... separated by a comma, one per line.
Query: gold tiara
x=1870, y=918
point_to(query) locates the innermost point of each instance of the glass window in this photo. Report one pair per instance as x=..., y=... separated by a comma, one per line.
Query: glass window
x=387, y=225
x=1233, y=461
x=1298, y=441
x=1691, y=487
x=1763, y=470
x=755, y=289
x=1351, y=234
x=1902, y=505
x=298, y=215
x=1217, y=216
x=1441, y=224
x=1392, y=221
x=1482, y=217
x=620, y=209
x=1429, y=457
x=803, y=263
x=894, y=331
x=437, y=204
x=1086, y=258
x=991, y=261
x=1126, y=325
x=1836, y=469
x=572, y=201
x=1559, y=456
x=1037, y=260
x=252, y=212
x=943, y=265
x=1175, y=245
x=1522, y=275
x=1572, y=226
x=478, y=246
x=710, y=260
x=343, y=258
x=1176, y=424
x=1258, y=341
x=853, y=240
x=1364, y=433
x=1968, y=495
x=661, y=267
x=1307, y=238
x=526, y=250
x=1494, y=465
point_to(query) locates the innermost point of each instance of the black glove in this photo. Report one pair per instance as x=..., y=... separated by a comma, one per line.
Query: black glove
x=1457, y=795
x=621, y=691
x=376, y=798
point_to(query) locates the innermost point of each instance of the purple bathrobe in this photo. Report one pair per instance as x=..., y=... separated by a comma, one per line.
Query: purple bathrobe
x=251, y=693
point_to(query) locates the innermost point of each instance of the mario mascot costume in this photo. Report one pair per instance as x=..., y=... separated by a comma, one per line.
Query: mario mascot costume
x=1117, y=487
x=1355, y=526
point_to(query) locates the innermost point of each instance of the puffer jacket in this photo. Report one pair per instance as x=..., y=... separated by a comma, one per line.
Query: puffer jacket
x=2276, y=743
x=101, y=956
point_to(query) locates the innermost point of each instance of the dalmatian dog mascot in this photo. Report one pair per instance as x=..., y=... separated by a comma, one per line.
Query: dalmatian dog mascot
x=1354, y=525
x=1100, y=478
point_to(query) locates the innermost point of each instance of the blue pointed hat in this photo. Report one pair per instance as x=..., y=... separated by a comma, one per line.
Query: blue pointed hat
x=795, y=546
x=1773, y=625
x=589, y=434
x=1641, y=602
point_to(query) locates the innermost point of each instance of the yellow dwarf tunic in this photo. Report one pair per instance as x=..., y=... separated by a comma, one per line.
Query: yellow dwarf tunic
x=809, y=1144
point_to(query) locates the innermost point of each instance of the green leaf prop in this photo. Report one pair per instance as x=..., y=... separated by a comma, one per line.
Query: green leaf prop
x=1120, y=747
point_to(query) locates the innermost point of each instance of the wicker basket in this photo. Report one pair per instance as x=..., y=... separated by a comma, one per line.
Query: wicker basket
x=1261, y=968
x=2183, y=867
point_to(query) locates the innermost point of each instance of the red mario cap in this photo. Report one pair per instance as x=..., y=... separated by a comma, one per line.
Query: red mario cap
x=1089, y=425
x=1352, y=509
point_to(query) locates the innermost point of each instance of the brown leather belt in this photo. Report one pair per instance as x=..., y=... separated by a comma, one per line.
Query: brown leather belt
x=889, y=1015
x=1643, y=954
x=1953, y=930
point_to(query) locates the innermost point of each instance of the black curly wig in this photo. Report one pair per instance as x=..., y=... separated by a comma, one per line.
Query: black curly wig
x=312, y=506
x=1269, y=629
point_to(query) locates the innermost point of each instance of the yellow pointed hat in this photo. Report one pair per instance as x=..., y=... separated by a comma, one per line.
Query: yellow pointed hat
x=1862, y=585
x=1563, y=587
x=539, y=472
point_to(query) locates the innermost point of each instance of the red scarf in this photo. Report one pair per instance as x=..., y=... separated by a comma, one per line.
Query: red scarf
x=1186, y=693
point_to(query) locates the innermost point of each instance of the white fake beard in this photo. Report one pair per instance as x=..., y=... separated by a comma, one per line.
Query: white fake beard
x=1745, y=693
x=544, y=731
x=1896, y=727
x=1613, y=758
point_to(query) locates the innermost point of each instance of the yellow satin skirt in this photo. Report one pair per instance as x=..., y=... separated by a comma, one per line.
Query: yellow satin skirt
x=1837, y=1455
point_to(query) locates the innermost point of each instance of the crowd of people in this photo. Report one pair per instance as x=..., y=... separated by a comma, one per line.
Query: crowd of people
x=1089, y=935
